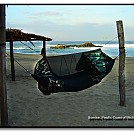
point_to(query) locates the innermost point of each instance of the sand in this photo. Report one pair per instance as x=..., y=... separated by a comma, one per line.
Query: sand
x=97, y=106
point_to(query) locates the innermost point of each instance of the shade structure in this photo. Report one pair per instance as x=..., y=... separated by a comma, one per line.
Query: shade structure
x=13, y=35
x=18, y=35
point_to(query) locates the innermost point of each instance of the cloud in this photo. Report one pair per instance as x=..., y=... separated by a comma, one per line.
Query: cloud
x=79, y=31
x=46, y=13
x=41, y=15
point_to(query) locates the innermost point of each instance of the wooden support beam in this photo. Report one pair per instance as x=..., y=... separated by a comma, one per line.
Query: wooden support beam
x=44, y=48
x=3, y=91
x=12, y=61
x=121, y=63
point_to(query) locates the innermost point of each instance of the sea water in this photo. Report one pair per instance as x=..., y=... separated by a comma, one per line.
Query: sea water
x=111, y=48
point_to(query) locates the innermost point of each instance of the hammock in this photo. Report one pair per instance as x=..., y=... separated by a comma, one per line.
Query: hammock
x=72, y=72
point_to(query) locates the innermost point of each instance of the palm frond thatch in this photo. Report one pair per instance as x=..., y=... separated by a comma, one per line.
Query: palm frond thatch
x=18, y=35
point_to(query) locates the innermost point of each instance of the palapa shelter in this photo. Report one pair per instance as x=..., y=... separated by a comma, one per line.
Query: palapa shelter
x=17, y=35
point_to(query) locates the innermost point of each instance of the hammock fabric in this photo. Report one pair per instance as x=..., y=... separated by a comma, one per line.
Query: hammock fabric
x=72, y=72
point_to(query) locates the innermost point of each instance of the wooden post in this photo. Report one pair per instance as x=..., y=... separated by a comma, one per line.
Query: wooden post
x=12, y=61
x=3, y=91
x=44, y=47
x=121, y=63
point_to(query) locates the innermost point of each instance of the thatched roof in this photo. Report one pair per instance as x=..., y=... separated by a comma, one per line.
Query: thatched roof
x=18, y=35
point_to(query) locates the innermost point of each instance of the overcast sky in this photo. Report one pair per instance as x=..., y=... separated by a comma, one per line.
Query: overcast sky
x=72, y=22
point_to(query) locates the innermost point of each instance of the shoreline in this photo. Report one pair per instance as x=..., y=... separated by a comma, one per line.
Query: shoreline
x=23, y=54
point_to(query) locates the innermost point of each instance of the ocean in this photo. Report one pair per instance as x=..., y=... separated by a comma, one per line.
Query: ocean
x=111, y=48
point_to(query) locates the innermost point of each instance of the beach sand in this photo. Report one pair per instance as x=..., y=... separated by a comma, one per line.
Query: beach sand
x=28, y=107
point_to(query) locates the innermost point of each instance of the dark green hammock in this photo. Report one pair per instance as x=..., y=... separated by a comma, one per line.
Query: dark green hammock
x=72, y=72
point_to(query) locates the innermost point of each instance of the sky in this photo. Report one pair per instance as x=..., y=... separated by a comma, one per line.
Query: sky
x=72, y=22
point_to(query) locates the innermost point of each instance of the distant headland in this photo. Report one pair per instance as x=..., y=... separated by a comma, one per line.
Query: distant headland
x=63, y=46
